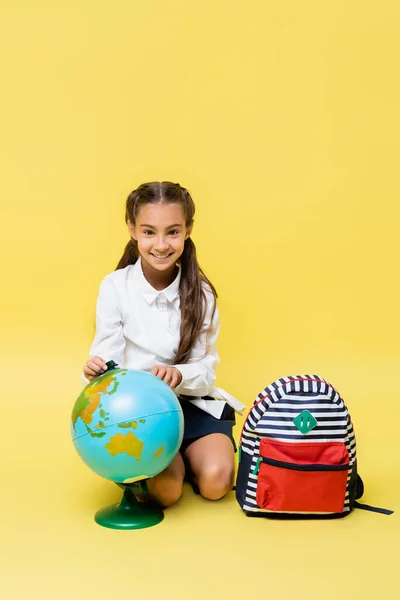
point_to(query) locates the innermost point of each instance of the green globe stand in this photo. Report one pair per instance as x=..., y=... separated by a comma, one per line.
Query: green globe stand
x=129, y=513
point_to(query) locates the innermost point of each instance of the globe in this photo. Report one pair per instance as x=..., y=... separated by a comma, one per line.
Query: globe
x=127, y=426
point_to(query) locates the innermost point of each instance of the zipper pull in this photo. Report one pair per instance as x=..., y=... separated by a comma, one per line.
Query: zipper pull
x=257, y=467
x=239, y=454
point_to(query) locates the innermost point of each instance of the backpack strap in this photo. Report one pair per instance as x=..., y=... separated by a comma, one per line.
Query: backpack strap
x=359, y=493
x=382, y=511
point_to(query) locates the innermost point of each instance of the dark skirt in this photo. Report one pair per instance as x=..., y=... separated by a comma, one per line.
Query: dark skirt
x=198, y=423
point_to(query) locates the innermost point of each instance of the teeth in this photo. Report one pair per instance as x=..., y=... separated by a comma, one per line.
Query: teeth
x=166, y=256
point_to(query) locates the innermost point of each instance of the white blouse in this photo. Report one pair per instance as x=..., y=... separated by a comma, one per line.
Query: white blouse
x=138, y=327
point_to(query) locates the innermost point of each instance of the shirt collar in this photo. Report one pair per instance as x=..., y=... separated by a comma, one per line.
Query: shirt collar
x=148, y=292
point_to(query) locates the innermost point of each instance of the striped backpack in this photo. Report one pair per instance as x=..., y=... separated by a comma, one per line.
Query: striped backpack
x=297, y=453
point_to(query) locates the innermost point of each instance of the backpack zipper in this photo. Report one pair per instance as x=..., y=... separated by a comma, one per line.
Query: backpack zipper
x=296, y=467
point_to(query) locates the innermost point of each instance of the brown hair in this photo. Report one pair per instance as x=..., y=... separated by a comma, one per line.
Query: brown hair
x=191, y=288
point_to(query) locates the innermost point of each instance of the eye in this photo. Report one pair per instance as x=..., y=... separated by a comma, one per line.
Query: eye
x=173, y=232
x=147, y=232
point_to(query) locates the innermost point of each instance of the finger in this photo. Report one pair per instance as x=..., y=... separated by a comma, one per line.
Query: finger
x=168, y=376
x=161, y=372
x=95, y=368
x=154, y=370
x=174, y=380
x=88, y=371
x=177, y=376
x=91, y=372
x=100, y=362
x=88, y=376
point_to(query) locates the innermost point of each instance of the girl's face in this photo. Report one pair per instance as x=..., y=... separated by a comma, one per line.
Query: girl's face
x=160, y=232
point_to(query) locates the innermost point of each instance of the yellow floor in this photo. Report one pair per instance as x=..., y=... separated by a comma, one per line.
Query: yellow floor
x=52, y=548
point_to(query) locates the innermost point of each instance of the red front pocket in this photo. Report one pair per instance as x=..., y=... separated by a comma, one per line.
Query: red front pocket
x=302, y=477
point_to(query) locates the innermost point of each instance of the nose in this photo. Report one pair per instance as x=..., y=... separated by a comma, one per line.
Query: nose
x=161, y=244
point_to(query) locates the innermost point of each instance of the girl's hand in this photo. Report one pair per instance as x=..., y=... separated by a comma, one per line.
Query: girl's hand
x=94, y=367
x=170, y=375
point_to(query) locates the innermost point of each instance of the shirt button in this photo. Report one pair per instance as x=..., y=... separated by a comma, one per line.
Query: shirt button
x=162, y=302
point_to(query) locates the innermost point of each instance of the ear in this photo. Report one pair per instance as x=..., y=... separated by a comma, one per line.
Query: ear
x=132, y=230
x=188, y=232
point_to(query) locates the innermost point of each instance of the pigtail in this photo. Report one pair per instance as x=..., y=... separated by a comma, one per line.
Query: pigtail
x=193, y=301
x=131, y=253
x=130, y=256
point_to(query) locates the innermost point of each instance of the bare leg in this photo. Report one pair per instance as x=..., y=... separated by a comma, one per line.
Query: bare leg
x=166, y=488
x=212, y=460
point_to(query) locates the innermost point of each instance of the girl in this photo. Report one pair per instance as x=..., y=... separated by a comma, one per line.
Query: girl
x=157, y=312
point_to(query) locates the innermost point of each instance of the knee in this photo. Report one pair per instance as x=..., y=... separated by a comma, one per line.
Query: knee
x=215, y=481
x=166, y=491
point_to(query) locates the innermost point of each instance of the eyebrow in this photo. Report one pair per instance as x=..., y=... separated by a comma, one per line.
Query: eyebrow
x=169, y=226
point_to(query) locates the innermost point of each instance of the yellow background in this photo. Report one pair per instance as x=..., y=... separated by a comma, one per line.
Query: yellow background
x=282, y=119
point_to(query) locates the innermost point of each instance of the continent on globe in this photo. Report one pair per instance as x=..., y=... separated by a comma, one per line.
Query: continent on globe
x=128, y=424
x=128, y=443
x=159, y=452
x=89, y=401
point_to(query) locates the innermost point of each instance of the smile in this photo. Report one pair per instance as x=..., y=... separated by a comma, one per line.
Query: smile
x=161, y=257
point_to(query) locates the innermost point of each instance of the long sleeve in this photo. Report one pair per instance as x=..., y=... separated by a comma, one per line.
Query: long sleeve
x=109, y=342
x=139, y=327
x=198, y=375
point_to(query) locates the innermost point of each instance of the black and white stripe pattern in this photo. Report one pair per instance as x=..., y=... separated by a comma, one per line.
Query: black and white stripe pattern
x=272, y=417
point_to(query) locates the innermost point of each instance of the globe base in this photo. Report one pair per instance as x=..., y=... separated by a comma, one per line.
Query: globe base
x=129, y=514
